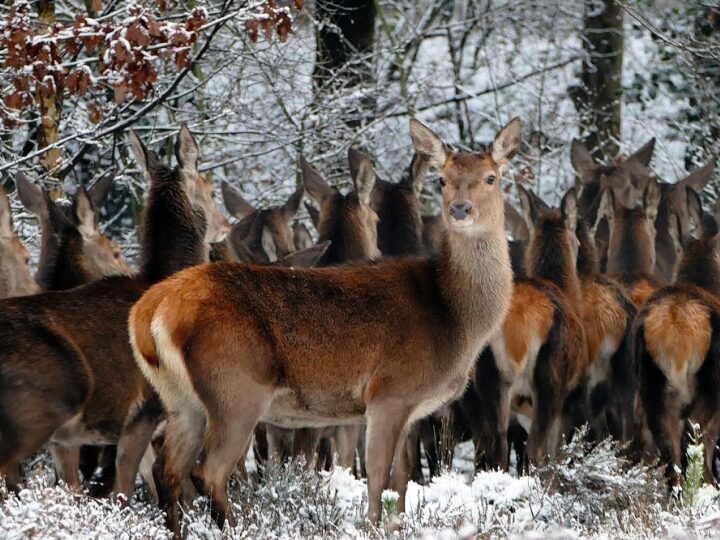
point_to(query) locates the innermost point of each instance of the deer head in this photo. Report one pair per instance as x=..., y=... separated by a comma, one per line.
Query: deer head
x=348, y=221
x=15, y=276
x=631, y=245
x=268, y=233
x=472, y=201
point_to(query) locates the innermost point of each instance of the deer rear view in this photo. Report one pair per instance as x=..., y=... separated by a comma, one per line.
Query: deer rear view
x=387, y=343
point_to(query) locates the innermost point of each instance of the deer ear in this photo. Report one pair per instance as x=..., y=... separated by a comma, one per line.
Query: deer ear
x=606, y=209
x=428, y=144
x=305, y=258
x=314, y=214
x=99, y=191
x=694, y=207
x=186, y=152
x=582, y=161
x=84, y=213
x=651, y=200
x=699, y=178
x=30, y=196
x=515, y=223
x=675, y=231
x=301, y=236
x=644, y=154
x=507, y=142
x=569, y=210
x=419, y=167
x=364, y=180
x=235, y=203
x=528, y=206
x=292, y=205
x=146, y=159
x=317, y=188
x=355, y=159
x=6, y=226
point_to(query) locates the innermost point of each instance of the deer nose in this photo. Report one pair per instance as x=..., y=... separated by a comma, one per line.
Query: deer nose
x=460, y=210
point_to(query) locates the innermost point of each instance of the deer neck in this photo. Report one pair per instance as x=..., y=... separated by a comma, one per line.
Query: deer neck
x=476, y=280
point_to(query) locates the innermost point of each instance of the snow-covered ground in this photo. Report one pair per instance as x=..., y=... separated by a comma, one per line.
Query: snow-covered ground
x=583, y=493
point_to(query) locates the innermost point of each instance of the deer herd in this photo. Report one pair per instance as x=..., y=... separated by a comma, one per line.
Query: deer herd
x=367, y=346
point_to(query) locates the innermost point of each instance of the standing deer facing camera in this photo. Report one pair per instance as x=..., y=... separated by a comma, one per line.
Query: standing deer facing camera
x=226, y=345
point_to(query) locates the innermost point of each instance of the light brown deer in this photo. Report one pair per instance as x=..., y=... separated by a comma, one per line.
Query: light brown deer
x=261, y=235
x=678, y=348
x=388, y=342
x=15, y=276
x=74, y=378
x=541, y=349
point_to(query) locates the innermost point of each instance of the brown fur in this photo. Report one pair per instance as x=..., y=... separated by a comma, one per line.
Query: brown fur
x=678, y=337
x=542, y=352
x=15, y=276
x=74, y=380
x=389, y=342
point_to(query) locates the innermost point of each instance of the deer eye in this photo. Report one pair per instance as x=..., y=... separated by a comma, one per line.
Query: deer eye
x=442, y=181
x=490, y=180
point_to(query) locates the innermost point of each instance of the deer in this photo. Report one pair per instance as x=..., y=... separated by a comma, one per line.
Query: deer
x=386, y=343
x=677, y=336
x=16, y=279
x=540, y=351
x=73, y=252
x=350, y=222
x=628, y=177
x=675, y=201
x=631, y=241
x=608, y=314
x=261, y=235
x=60, y=346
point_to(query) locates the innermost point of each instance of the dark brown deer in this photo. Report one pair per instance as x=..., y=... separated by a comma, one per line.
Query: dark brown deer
x=628, y=177
x=675, y=201
x=74, y=379
x=678, y=348
x=541, y=350
x=261, y=235
x=608, y=313
x=631, y=241
x=73, y=251
x=387, y=342
x=15, y=276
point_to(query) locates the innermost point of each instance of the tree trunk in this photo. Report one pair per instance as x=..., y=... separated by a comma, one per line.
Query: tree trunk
x=345, y=35
x=599, y=100
x=50, y=105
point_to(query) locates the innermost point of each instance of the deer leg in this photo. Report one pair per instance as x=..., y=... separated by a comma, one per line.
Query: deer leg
x=347, y=441
x=305, y=443
x=130, y=450
x=386, y=422
x=228, y=435
x=67, y=463
x=401, y=471
x=184, y=437
x=145, y=469
x=547, y=408
x=413, y=451
x=665, y=424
